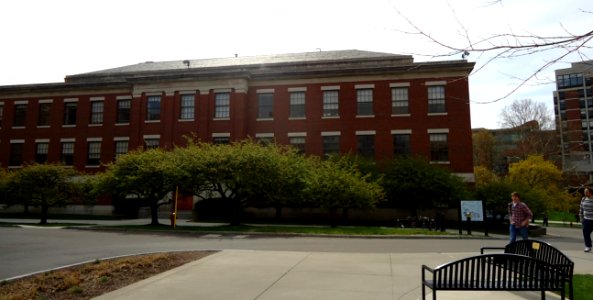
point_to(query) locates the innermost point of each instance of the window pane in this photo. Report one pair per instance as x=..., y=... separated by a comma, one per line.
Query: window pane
x=123, y=111
x=330, y=104
x=94, y=154
x=187, y=107
x=153, y=108
x=222, y=105
x=366, y=145
x=364, y=100
x=151, y=143
x=96, y=112
x=265, y=106
x=16, y=154
x=68, y=153
x=41, y=152
x=298, y=142
x=221, y=140
x=43, y=118
x=439, y=150
x=121, y=148
x=20, y=115
x=436, y=99
x=70, y=109
x=331, y=145
x=399, y=101
x=297, y=105
x=401, y=144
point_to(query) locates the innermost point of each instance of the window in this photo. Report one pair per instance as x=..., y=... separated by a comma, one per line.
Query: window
x=439, y=149
x=298, y=142
x=43, y=118
x=331, y=106
x=41, y=151
x=436, y=99
x=265, y=140
x=121, y=148
x=222, y=105
x=331, y=145
x=297, y=104
x=366, y=145
x=96, y=112
x=364, y=102
x=187, y=107
x=153, y=108
x=151, y=143
x=221, y=140
x=68, y=153
x=399, y=101
x=123, y=111
x=16, y=154
x=401, y=144
x=265, y=105
x=20, y=115
x=93, y=154
x=70, y=113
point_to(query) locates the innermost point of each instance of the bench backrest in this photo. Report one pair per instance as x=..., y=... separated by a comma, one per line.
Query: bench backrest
x=499, y=272
x=542, y=251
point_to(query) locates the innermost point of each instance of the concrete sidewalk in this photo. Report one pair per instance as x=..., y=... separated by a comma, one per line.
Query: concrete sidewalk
x=271, y=275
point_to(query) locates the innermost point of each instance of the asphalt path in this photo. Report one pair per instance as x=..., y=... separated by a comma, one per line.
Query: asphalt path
x=33, y=249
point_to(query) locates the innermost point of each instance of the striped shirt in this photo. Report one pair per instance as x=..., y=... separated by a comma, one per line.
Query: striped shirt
x=586, y=209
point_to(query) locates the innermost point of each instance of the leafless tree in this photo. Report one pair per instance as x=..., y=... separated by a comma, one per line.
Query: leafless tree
x=510, y=46
x=523, y=111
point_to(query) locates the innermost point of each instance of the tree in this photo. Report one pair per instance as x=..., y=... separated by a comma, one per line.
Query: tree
x=414, y=184
x=533, y=124
x=535, y=172
x=508, y=46
x=484, y=176
x=143, y=176
x=483, y=149
x=333, y=185
x=44, y=185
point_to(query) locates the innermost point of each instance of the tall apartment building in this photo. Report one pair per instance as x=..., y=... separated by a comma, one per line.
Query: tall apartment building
x=573, y=108
x=375, y=104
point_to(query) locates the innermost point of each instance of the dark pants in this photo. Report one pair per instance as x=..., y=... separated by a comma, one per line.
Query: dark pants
x=587, y=229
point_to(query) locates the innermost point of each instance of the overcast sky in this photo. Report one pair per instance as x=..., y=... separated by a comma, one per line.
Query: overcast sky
x=43, y=41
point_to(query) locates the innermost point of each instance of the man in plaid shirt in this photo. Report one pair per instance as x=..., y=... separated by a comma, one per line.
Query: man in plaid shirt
x=519, y=216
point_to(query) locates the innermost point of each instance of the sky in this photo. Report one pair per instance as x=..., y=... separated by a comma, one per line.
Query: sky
x=43, y=41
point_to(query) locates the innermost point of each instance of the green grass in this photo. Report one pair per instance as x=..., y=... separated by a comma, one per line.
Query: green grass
x=276, y=229
x=561, y=216
x=582, y=286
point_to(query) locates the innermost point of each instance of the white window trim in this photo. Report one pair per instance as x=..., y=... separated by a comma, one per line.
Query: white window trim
x=121, y=138
x=18, y=141
x=264, y=135
x=297, y=89
x=264, y=91
x=97, y=99
x=297, y=134
x=45, y=101
x=331, y=133
x=438, y=130
x=364, y=86
x=94, y=139
x=151, y=136
x=68, y=140
x=70, y=100
x=123, y=98
x=399, y=84
x=221, y=134
x=429, y=83
x=330, y=88
x=21, y=102
x=401, y=131
x=41, y=140
x=366, y=132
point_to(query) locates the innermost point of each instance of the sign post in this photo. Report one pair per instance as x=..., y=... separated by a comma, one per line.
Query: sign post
x=471, y=210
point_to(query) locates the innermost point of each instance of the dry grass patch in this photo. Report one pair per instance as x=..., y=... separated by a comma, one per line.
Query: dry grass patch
x=96, y=278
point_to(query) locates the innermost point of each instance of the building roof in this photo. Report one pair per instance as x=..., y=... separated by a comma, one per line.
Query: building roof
x=247, y=61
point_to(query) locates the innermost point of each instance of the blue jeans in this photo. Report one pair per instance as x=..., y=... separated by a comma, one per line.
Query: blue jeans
x=522, y=231
x=587, y=229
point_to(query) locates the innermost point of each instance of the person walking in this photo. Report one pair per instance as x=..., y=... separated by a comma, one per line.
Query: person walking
x=586, y=216
x=519, y=217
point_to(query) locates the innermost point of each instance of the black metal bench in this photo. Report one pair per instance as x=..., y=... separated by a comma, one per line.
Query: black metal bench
x=542, y=251
x=495, y=272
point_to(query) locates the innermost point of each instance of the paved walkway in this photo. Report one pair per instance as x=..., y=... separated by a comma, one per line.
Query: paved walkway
x=270, y=275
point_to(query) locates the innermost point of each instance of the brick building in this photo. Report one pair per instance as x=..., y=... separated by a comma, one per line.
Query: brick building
x=375, y=104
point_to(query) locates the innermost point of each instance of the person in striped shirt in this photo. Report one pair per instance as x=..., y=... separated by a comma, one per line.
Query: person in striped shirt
x=586, y=215
x=519, y=217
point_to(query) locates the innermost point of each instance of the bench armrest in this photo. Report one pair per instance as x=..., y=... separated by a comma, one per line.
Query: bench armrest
x=425, y=269
x=490, y=248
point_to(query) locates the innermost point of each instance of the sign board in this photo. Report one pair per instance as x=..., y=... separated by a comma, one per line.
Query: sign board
x=472, y=208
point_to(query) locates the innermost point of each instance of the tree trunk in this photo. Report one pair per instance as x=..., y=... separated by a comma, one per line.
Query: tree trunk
x=44, y=211
x=154, y=214
x=236, y=211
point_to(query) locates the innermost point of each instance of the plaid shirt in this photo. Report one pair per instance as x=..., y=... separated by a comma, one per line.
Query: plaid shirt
x=519, y=212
